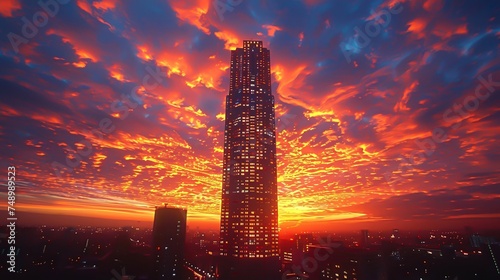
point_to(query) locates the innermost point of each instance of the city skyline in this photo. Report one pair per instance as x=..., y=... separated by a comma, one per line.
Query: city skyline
x=386, y=112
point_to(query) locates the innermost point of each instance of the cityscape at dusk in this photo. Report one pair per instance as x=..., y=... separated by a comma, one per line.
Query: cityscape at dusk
x=311, y=139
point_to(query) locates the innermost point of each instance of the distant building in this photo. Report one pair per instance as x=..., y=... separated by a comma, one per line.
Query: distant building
x=341, y=263
x=365, y=238
x=477, y=240
x=169, y=236
x=395, y=234
x=302, y=241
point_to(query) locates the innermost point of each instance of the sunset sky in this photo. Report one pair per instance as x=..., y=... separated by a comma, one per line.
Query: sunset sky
x=388, y=113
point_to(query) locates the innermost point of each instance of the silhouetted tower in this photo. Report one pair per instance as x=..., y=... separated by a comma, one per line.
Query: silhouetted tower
x=169, y=237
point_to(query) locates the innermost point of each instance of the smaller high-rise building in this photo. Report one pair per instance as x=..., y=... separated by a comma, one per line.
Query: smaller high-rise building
x=365, y=238
x=169, y=237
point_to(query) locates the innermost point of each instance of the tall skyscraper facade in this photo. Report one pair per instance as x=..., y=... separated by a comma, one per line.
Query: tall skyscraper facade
x=169, y=237
x=249, y=210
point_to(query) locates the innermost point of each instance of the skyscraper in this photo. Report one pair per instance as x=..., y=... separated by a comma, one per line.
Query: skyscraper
x=169, y=236
x=249, y=210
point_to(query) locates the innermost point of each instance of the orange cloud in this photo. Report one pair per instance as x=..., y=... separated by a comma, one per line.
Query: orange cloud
x=82, y=49
x=401, y=105
x=79, y=64
x=289, y=81
x=433, y=5
x=105, y=4
x=48, y=118
x=144, y=53
x=417, y=26
x=84, y=5
x=176, y=64
x=445, y=31
x=117, y=73
x=9, y=6
x=192, y=12
x=271, y=29
x=231, y=41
